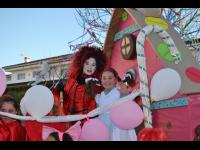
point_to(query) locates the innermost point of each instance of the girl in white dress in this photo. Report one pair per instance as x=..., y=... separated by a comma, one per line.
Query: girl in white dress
x=109, y=81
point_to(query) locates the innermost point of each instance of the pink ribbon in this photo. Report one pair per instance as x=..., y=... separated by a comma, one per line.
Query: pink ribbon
x=74, y=131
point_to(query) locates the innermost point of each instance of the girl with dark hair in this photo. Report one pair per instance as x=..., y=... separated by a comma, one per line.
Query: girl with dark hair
x=83, y=82
x=109, y=80
x=10, y=129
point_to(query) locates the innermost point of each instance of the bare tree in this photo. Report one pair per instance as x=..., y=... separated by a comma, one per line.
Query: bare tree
x=50, y=73
x=94, y=22
x=186, y=21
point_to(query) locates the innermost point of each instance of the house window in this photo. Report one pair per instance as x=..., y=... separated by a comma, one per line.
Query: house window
x=9, y=77
x=21, y=76
x=36, y=73
x=128, y=47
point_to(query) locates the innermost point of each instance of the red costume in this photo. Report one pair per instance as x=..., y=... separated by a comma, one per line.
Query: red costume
x=77, y=100
x=12, y=131
x=34, y=129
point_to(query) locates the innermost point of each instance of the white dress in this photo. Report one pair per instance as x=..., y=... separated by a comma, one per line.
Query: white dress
x=116, y=134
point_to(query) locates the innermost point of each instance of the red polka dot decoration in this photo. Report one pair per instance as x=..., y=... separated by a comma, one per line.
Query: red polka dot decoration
x=193, y=74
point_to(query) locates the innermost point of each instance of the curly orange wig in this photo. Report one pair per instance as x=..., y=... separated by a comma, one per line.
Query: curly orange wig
x=84, y=53
x=152, y=134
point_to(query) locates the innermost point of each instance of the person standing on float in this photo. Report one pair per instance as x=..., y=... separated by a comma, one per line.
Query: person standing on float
x=83, y=81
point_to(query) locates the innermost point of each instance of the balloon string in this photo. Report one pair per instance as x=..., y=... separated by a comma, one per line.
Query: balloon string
x=68, y=118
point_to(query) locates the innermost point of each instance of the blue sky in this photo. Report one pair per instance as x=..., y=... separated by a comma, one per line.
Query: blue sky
x=36, y=32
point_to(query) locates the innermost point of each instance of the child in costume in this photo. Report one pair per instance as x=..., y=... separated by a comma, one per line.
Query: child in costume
x=109, y=81
x=152, y=134
x=72, y=134
x=81, y=87
x=10, y=129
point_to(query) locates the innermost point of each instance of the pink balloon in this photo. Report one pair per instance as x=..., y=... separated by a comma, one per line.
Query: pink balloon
x=3, y=82
x=127, y=115
x=94, y=130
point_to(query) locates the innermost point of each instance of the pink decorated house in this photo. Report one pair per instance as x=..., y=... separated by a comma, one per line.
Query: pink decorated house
x=178, y=114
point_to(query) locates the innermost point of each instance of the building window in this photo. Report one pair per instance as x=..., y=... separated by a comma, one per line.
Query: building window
x=21, y=76
x=36, y=73
x=9, y=77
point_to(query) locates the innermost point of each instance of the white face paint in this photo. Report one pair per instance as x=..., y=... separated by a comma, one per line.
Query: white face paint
x=89, y=66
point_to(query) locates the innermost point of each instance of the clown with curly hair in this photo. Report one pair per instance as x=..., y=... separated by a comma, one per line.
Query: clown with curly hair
x=83, y=81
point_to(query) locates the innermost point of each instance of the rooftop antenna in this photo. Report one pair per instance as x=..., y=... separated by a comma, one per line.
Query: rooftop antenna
x=26, y=58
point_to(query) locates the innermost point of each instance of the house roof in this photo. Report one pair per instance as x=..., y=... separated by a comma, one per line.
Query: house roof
x=56, y=59
x=188, y=86
x=112, y=29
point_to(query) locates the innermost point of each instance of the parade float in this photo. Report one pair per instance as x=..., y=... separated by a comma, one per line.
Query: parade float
x=168, y=74
x=167, y=80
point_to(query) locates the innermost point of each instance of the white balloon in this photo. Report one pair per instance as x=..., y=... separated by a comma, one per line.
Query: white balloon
x=165, y=84
x=22, y=107
x=38, y=101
